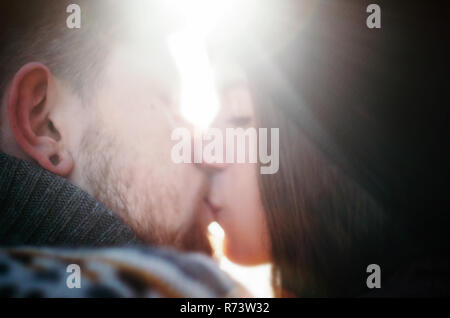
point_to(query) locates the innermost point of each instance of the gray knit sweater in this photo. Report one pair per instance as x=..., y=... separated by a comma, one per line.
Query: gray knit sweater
x=39, y=208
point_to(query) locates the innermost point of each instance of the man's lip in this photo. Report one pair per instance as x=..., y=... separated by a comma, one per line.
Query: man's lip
x=206, y=212
x=210, y=208
x=214, y=208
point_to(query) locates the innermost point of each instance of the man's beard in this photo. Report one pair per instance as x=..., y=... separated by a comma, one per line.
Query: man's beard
x=110, y=182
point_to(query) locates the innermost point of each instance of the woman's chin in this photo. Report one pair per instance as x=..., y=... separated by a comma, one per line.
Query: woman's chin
x=238, y=254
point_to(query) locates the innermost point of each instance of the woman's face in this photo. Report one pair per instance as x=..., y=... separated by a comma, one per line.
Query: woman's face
x=234, y=195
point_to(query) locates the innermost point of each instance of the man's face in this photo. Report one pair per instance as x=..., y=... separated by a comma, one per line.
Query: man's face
x=123, y=156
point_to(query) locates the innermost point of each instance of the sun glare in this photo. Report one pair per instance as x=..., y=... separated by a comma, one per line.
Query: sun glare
x=202, y=15
x=199, y=100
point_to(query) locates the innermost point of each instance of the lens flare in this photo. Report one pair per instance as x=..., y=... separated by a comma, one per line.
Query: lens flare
x=199, y=100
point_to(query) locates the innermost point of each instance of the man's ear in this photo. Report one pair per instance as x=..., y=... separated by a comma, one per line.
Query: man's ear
x=30, y=103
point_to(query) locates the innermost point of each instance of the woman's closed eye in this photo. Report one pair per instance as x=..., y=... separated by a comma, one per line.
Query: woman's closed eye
x=240, y=121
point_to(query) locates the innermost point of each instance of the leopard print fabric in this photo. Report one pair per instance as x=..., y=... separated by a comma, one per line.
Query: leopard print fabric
x=112, y=272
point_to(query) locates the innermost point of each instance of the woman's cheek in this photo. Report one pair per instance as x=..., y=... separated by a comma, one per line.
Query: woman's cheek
x=246, y=238
x=244, y=244
x=241, y=215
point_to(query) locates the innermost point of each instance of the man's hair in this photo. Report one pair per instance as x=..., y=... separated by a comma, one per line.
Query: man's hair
x=36, y=30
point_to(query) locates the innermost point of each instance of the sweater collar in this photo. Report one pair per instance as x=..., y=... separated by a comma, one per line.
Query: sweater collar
x=39, y=208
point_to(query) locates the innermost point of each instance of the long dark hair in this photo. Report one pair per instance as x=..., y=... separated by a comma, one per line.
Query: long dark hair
x=325, y=228
x=362, y=169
